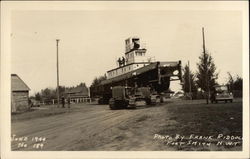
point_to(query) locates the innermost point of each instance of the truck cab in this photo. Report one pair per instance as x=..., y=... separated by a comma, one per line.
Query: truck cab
x=120, y=97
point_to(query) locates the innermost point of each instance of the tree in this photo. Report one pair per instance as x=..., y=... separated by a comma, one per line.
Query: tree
x=234, y=84
x=38, y=96
x=187, y=82
x=238, y=83
x=61, y=91
x=206, y=75
x=48, y=94
x=82, y=85
x=98, y=80
x=230, y=81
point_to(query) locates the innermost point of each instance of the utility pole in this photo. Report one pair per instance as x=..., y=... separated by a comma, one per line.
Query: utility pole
x=189, y=81
x=206, y=80
x=57, y=67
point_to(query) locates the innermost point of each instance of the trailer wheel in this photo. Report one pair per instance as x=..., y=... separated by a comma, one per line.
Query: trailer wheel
x=99, y=101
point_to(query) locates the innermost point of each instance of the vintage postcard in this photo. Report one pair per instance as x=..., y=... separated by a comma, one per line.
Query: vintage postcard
x=125, y=79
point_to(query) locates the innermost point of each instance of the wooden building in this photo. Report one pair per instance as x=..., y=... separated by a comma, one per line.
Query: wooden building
x=78, y=94
x=19, y=94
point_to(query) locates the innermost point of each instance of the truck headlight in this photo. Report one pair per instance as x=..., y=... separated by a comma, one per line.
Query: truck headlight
x=176, y=72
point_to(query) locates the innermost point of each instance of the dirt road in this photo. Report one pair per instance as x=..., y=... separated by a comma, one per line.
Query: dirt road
x=96, y=127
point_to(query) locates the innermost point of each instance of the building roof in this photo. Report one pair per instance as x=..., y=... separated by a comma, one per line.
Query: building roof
x=17, y=84
x=80, y=90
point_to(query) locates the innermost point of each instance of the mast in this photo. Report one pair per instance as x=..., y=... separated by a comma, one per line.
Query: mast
x=203, y=37
x=206, y=77
x=57, y=69
x=189, y=81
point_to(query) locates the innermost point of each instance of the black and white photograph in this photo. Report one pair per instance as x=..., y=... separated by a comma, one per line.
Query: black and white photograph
x=130, y=76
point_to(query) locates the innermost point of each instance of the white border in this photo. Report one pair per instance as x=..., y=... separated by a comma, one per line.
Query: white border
x=8, y=7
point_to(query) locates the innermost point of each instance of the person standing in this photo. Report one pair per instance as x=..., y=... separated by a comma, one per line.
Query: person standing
x=68, y=100
x=119, y=62
x=123, y=61
x=63, y=102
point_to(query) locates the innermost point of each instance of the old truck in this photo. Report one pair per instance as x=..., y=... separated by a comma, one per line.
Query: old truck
x=123, y=97
x=120, y=97
x=221, y=93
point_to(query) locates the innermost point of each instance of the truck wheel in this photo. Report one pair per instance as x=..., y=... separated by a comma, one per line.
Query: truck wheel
x=216, y=101
x=231, y=101
x=125, y=105
x=225, y=101
x=148, y=101
x=112, y=103
x=161, y=99
x=112, y=106
x=158, y=100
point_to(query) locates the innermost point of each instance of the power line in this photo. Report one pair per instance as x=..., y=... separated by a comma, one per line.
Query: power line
x=57, y=66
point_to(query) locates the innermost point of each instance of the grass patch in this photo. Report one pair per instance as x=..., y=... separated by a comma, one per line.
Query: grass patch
x=38, y=113
x=202, y=119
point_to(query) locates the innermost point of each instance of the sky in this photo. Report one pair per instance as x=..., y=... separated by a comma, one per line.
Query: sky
x=92, y=40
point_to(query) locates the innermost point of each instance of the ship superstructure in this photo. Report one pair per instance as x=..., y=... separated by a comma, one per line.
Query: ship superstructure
x=135, y=58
